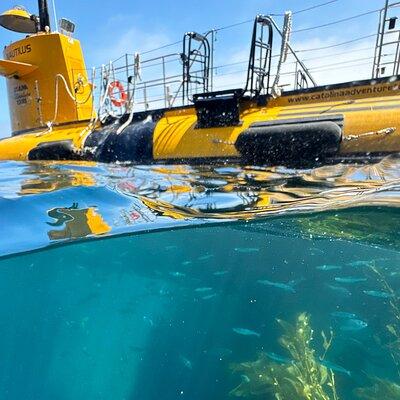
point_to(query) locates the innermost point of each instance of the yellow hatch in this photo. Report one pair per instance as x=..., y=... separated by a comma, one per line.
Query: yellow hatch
x=18, y=20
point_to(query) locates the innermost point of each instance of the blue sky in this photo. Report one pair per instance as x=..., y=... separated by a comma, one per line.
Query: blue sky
x=107, y=29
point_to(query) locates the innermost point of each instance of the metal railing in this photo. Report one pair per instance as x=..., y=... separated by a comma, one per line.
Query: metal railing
x=172, y=79
x=388, y=38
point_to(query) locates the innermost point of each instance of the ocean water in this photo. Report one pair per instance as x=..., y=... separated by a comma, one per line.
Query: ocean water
x=219, y=282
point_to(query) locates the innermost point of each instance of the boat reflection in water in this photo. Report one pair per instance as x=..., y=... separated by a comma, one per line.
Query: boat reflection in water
x=155, y=197
x=78, y=223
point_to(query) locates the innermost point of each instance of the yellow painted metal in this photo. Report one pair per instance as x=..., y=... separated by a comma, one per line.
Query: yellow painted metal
x=366, y=109
x=57, y=92
x=176, y=135
x=10, y=69
x=18, y=20
x=51, y=99
x=18, y=147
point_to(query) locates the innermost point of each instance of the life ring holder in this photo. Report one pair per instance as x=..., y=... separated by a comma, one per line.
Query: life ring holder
x=123, y=97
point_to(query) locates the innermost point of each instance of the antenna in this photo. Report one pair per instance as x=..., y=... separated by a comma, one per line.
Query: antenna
x=55, y=14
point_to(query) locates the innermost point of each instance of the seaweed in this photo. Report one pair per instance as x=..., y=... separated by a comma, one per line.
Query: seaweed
x=355, y=226
x=383, y=388
x=303, y=377
x=392, y=327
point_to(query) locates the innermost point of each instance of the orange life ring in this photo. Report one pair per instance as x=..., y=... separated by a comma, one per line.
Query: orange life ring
x=123, y=97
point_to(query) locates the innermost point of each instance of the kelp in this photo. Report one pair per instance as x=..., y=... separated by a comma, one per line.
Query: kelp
x=303, y=377
x=381, y=390
x=355, y=226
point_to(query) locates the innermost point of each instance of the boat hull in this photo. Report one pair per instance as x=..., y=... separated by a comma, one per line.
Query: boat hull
x=351, y=119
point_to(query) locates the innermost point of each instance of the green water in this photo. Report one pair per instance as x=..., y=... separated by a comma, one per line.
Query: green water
x=157, y=315
x=209, y=282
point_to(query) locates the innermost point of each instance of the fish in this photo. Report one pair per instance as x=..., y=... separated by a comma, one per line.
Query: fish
x=350, y=279
x=247, y=250
x=379, y=293
x=186, y=362
x=278, y=358
x=220, y=273
x=343, y=291
x=209, y=296
x=284, y=286
x=206, y=257
x=335, y=367
x=171, y=247
x=246, y=332
x=328, y=267
x=177, y=274
x=353, y=325
x=245, y=378
x=343, y=314
x=203, y=289
x=360, y=263
x=186, y=263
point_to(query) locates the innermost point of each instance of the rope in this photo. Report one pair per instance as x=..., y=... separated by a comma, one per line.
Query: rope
x=136, y=77
x=287, y=27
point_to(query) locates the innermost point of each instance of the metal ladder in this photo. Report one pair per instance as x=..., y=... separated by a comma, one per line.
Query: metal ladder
x=387, y=43
x=259, y=68
x=196, y=64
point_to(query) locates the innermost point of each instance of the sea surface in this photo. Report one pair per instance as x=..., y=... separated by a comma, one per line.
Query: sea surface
x=209, y=282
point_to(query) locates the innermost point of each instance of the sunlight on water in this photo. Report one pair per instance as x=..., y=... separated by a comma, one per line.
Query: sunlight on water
x=44, y=203
x=277, y=284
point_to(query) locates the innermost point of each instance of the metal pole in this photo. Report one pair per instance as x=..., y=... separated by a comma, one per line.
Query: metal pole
x=381, y=34
x=55, y=14
x=212, y=60
x=396, y=60
x=164, y=82
x=38, y=103
x=43, y=15
x=127, y=81
x=146, y=106
x=183, y=69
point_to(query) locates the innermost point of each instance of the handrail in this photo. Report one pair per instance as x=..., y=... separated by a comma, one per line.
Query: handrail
x=179, y=87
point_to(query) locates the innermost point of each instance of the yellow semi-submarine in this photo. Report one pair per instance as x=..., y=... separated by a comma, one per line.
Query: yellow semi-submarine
x=54, y=115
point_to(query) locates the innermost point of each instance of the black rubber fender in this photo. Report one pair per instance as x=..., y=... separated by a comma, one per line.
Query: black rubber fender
x=295, y=143
x=133, y=144
x=61, y=150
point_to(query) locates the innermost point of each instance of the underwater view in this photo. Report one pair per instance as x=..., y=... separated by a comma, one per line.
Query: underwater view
x=200, y=205
x=208, y=282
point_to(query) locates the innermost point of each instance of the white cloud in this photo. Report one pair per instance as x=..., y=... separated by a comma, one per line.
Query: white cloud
x=130, y=40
